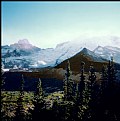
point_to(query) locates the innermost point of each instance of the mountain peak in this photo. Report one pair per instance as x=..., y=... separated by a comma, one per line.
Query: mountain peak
x=98, y=48
x=24, y=45
x=84, y=50
x=23, y=41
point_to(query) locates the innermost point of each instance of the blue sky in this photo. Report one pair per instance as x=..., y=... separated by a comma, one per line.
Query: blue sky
x=46, y=24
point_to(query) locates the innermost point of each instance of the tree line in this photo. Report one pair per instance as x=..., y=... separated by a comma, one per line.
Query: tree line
x=85, y=100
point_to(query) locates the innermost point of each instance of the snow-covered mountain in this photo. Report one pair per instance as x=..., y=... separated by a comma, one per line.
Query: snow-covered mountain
x=24, y=45
x=89, y=58
x=34, y=57
x=68, y=49
x=108, y=51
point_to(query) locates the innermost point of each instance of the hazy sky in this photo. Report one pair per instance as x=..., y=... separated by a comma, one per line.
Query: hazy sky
x=46, y=24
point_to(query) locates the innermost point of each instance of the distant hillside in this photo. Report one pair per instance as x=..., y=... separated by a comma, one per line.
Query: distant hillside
x=86, y=56
x=13, y=81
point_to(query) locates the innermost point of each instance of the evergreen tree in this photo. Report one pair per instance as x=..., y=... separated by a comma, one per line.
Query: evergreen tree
x=39, y=92
x=20, y=112
x=107, y=98
x=104, y=79
x=80, y=86
x=92, y=88
x=92, y=76
x=68, y=84
x=39, y=104
x=66, y=107
x=82, y=97
x=111, y=70
x=111, y=74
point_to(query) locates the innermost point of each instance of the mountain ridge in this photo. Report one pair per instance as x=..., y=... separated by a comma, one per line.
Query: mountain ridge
x=82, y=56
x=39, y=58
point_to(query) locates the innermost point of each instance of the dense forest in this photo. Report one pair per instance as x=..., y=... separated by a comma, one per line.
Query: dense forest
x=84, y=100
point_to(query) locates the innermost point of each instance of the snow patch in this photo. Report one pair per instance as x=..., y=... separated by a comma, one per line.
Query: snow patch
x=42, y=62
x=5, y=70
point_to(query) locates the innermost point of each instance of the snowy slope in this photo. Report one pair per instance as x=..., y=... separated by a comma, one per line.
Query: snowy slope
x=108, y=51
x=66, y=50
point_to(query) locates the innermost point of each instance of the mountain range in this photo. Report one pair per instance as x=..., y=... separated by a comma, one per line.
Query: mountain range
x=24, y=55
